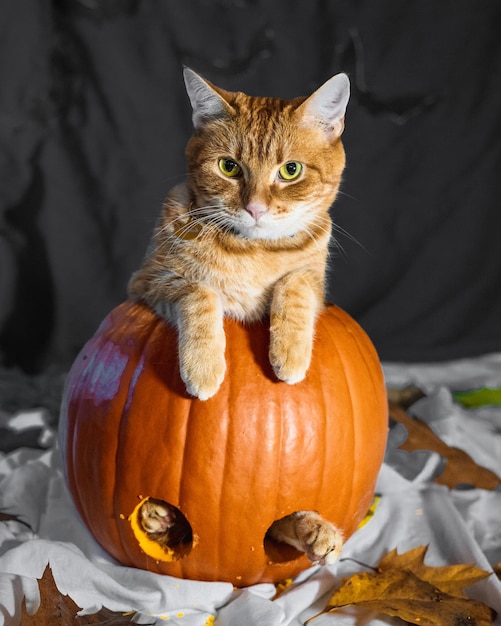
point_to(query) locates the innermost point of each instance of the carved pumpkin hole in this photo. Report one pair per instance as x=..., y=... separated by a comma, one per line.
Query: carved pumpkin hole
x=279, y=551
x=161, y=529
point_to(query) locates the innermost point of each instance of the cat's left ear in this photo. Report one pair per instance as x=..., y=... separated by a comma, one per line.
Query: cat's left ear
x=326, y=107
x=206, y=102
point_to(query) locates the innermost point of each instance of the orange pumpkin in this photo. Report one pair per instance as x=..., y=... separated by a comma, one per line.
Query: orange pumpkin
x=255, y=452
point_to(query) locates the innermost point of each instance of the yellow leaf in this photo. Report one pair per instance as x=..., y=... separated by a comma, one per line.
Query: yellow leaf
x=282, y=586
x=403, y=586
x=371, y=512
x=451, y=579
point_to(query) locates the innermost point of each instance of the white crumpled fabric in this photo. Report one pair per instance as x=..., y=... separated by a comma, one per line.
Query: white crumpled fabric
x=460, y=526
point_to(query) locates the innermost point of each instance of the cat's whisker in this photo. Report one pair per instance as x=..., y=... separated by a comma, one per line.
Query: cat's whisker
x=198, y=216
x=206, y=221
x=347, y=195
x=202, y=212
x=314, y=237
x=167, y=225
x=342, y=231
x=314, y=226
x=220, y=224
x=192, y=213
x=336, y=246
x=218, y=218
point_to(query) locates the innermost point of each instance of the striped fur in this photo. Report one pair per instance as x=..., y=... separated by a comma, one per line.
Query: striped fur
x=252, y=245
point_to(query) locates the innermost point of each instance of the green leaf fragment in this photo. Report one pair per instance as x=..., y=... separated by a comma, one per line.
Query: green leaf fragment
x=474, y=398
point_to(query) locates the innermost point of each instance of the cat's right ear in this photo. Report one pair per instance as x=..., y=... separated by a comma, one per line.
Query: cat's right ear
x=206, y=102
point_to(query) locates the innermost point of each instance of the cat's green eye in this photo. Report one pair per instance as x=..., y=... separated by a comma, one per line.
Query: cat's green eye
x=230, y=168
x=290, y=170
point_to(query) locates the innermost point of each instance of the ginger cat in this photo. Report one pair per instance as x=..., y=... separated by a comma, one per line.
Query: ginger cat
x=247, y=237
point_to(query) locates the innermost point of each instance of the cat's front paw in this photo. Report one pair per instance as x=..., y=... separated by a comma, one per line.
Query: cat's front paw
x=290, y=359
x=319, y=539
x=203, y=372
x=310, y=533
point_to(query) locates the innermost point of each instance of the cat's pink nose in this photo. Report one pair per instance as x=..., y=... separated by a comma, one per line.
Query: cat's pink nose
x=256, y=209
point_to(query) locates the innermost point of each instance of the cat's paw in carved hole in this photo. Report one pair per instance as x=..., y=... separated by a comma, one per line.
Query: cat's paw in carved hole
x=162, y=524
x=303, y=532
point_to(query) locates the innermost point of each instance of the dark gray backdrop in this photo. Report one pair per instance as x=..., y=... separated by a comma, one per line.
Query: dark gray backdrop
x=94, y=118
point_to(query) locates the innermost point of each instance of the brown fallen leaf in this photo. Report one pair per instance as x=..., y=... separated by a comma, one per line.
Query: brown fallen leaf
x=398, y=593
x=451, y=579
x=460, y=467
x=403, y=586
x=8, y=517
x=56, y=608
x=406, y=396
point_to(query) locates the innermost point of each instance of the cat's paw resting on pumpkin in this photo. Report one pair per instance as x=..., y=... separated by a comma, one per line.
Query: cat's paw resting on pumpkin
x=202, y=342
x=291, y=340
x=202, y=372
x=290, y=359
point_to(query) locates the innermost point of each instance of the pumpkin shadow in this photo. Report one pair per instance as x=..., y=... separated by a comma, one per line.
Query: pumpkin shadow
x=257, y=339
x=279, y=552
x=163, y=358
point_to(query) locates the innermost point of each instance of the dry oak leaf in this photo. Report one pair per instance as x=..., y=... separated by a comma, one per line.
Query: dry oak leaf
x=7, y=517
x=403, y=586
x=460, y=467
x=56, y=608
x=451, y=579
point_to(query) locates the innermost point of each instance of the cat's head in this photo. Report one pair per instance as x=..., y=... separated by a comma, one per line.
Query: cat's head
x=265, y=168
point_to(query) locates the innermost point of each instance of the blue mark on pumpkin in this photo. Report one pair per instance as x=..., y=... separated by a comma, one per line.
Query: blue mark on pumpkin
x=103, y=373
